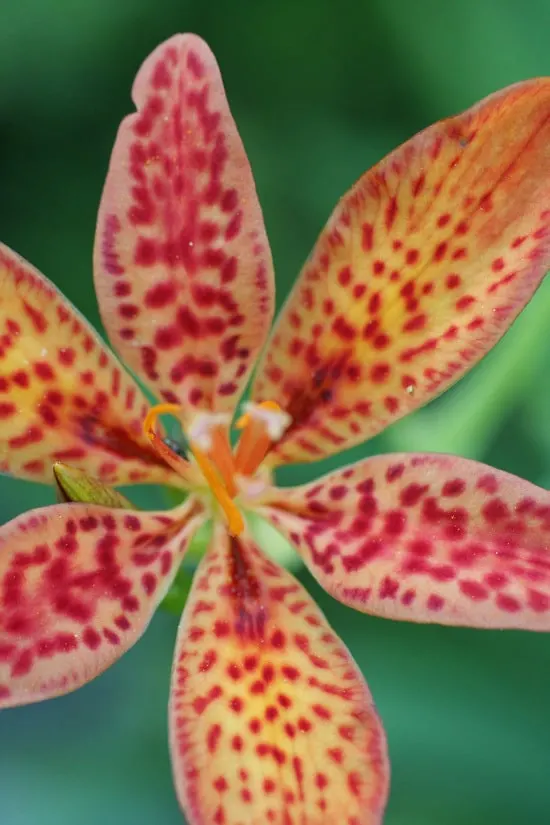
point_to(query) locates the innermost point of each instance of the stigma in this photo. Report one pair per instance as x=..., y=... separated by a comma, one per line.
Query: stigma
x=210, y=450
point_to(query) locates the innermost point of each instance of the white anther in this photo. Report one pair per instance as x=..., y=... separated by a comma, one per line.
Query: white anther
x=200, y=430
x=274, y=421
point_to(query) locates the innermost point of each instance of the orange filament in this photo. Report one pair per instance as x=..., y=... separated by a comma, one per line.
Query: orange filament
x=218, y=475
x=255, y=441
x=225, y=463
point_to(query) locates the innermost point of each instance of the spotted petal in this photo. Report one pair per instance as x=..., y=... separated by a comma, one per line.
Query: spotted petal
x=420, y=270
x=63, y=396
x=425, y=538
x=78, y=586
x=270, y=719
x=182, y=263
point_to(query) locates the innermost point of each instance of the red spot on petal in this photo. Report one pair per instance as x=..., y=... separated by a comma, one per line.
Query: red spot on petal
x=160, y=295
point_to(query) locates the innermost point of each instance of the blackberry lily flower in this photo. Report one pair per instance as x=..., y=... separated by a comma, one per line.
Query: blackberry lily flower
x=420, y=270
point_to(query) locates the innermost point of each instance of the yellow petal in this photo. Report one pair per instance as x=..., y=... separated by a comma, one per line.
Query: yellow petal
x=63, y=396
x=425, y=538
x=183, y=268
x=422, y=267
x=79, y=584
x=270, y=719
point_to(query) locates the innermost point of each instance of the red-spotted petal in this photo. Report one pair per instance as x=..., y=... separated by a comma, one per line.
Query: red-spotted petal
x=426, y=538
x=63, y=396
x=270, y=719
x=182, y=263
x=78, y=586
x=420, y=270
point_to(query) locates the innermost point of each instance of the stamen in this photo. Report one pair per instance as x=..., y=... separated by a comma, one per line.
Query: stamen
x=225, y=462
x=270, y=413
x=262, y=425
x=208, y=432
x=202, y=427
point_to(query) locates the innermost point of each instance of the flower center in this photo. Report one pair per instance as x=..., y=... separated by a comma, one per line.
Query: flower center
x=208, y=441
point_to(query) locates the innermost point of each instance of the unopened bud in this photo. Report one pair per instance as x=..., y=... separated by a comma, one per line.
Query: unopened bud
x=76, y=485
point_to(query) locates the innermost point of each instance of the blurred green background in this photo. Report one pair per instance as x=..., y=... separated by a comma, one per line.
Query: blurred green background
x=320, y=90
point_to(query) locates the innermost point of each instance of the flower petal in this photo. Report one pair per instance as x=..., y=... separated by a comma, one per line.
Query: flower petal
x=182, y=263
x=78, y=586
x=426, y=538
x=420, y=270
x=63, y=396
x=270, y=719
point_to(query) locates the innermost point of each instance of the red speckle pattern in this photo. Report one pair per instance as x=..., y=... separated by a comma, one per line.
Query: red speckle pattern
x=275, y=724
x=63, y=397
x=78, y=586
x=182, y=263
x=427, y=538
x=421, y=268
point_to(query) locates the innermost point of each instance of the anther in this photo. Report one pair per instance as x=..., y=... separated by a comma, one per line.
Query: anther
x=262, y=425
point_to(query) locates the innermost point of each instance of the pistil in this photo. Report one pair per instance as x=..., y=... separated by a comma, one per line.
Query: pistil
x=235, y=522
x=207, y=436
x=218, y=474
